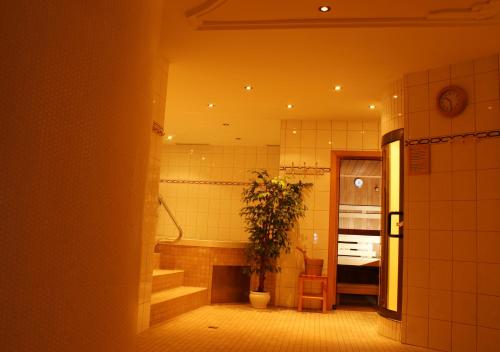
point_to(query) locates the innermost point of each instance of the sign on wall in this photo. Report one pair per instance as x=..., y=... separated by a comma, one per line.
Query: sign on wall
x=419, y=159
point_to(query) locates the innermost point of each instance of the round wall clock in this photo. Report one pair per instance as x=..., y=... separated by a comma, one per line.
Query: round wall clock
x=358, y=182
x=451, y=101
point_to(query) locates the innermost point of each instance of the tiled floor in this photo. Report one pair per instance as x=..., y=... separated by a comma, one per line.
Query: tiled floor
x=241, y=328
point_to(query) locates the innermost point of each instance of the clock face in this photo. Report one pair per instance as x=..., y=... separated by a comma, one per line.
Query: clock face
x=358, y=182
x=451, y=101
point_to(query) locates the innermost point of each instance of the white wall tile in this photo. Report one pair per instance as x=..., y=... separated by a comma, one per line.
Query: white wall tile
x=486, y=86
x=354, y=140
x=461, y=210
x=339, y=140
x=462, y=69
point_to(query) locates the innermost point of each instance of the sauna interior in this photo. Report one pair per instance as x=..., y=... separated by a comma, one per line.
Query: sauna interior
x=359, y=250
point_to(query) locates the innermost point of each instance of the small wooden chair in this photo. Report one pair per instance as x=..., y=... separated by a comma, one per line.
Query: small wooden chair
x=324, y=289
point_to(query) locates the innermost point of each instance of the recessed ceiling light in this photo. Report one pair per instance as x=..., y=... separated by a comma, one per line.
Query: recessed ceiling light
x=211, y=105
x=248, y=87
x=338, y=88
x=170, y=137
x=294, y=131
x=372, y=106
x=324, y=8
x=395, y=96
x=290, y=106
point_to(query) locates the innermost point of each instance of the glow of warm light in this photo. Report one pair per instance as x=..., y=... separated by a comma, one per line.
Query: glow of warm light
x=372, y=106
x=211, y=106
x=324, y=8
x=170, y=137
x=248, y=87
x=289, y=106
x=294, y=132
x=395, y=96
x=338, y=88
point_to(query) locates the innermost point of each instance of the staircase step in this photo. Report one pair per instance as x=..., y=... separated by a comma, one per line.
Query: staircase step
x=156, y=260
x=169, y=303
x=166, y=279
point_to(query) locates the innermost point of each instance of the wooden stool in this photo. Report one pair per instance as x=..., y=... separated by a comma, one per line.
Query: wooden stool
x=324, y=285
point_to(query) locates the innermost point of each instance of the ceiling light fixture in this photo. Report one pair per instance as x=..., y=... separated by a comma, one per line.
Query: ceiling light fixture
x=395, y=96
x=249, y=87
x=338, y=88
x=211, y=106
x=324, y=9
x=290, y=106
x=294, y=131
x=372, y=106
x=170, y=137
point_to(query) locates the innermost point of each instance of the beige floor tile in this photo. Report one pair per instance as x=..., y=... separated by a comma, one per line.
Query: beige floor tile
x=241, y=328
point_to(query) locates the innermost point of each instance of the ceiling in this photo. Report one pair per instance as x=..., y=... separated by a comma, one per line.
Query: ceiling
x=293, y=54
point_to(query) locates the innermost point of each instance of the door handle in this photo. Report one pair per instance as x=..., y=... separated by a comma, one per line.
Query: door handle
x=399, y=224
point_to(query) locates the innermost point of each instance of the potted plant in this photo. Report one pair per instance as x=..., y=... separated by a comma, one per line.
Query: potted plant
x=272, y=207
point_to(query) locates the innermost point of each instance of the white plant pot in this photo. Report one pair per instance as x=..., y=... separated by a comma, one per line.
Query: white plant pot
x=259, y=299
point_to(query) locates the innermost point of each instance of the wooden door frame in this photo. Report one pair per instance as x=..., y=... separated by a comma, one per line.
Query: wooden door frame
x=336, y=157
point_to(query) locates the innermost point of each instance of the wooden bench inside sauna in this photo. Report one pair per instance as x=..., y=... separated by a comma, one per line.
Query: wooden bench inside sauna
x=358, y=259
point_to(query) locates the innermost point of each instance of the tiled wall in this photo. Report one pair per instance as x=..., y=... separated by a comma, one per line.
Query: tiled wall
x=389, y=328
x=309, y=143
x=197, y=263
x=452, y=248
x=74, y=141
x=392, y=109
x=209, y=212
x=151, y=195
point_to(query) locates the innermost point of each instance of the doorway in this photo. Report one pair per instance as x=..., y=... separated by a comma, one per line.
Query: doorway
x=355, y=223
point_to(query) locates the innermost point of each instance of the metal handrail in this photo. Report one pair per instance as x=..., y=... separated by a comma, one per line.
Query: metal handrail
x=161, y=201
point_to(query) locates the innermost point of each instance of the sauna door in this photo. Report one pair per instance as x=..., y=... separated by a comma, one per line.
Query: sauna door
x=391, y=272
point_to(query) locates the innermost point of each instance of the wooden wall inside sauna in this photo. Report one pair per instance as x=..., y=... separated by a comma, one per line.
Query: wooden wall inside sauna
x=360, y=213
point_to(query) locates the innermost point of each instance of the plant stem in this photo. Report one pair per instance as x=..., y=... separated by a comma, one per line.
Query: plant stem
x=262, y=274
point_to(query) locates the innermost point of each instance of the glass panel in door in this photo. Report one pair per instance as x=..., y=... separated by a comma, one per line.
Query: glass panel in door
x=392, y=229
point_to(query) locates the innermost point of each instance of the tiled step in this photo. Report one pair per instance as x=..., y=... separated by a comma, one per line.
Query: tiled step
x=165, y=279
x=175, y=301
x=156, y=260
